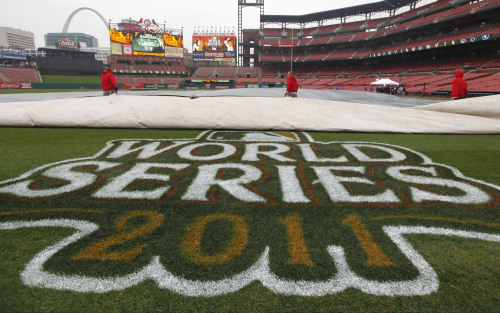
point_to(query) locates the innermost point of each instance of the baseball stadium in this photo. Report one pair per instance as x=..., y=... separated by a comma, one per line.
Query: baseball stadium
x=200, y=185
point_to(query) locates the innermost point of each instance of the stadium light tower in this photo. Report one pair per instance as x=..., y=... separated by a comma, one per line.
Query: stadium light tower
x=242, y=4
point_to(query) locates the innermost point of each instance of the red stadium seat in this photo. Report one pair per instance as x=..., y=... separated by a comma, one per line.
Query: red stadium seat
x=16, y=74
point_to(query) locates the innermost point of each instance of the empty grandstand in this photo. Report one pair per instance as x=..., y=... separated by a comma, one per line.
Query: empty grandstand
x=417, y=43
x=419, y=46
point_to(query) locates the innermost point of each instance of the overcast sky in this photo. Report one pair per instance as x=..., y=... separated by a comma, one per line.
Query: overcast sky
x=49, y=16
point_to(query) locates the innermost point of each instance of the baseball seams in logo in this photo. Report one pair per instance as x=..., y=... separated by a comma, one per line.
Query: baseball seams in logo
x=210, y=215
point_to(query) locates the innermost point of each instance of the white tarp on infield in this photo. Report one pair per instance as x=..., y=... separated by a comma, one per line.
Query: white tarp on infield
x=468, y=116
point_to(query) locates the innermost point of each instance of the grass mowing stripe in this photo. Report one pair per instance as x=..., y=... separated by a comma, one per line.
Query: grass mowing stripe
x=446, y=219
x=71, y=79
x=49, y=210
x=28, y=148
x=25, y=148
x=463, y=265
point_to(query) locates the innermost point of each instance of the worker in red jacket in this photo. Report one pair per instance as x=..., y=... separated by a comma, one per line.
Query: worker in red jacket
x=108, y=82
x=459, y=88
x=291, y=85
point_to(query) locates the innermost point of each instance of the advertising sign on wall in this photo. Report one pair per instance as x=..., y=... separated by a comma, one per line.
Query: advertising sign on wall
x=13, y=85
x=12, y=54
x=67, y=43
x=437, y=44
x=132, y=86
x=171, y=52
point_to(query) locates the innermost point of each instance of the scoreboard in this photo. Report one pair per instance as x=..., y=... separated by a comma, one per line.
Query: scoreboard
x=142, y=39
x=214, y=48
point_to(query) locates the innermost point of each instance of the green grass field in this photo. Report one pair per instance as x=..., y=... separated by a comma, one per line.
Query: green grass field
x=213, y=239
x=71, y=79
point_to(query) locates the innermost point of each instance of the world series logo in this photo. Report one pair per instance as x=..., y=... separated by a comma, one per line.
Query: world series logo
x=210, y=215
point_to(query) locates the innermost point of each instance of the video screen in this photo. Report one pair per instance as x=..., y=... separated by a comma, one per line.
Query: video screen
x=214, y=48
x=142, y=43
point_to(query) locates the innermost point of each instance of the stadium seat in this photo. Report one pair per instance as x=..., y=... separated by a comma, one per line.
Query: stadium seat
x=16, y=74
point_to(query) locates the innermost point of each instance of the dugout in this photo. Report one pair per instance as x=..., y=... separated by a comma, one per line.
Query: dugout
x=209, y=83
x=68, y=62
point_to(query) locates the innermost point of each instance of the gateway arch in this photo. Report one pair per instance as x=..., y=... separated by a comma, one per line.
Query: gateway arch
x=70, y=17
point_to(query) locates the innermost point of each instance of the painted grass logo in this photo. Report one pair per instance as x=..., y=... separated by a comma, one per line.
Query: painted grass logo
x=209, y=215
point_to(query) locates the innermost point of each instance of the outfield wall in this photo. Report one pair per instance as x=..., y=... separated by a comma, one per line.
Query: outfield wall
x=67, y=86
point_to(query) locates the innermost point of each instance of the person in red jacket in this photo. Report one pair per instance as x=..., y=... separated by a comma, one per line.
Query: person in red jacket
x=108, y=82
x=291, y=86
x=459, y=88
